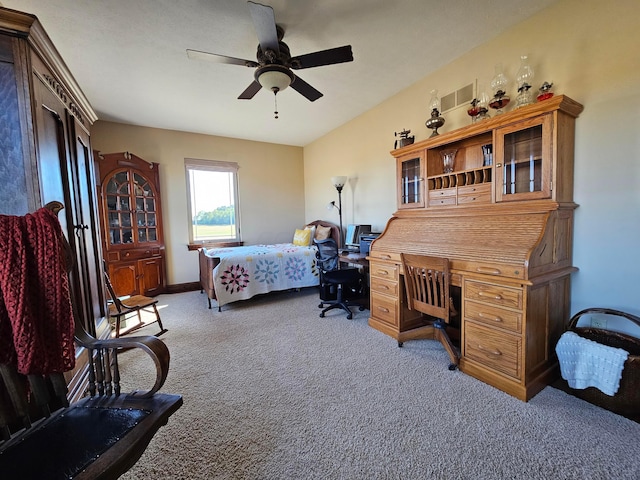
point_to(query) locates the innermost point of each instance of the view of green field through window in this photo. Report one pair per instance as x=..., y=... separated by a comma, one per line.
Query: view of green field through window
x=212, y=204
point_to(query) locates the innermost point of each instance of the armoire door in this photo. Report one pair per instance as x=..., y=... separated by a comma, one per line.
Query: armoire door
x=89, y=253
x=63, y=178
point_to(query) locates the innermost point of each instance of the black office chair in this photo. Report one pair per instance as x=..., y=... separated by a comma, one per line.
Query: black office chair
x=339, y=287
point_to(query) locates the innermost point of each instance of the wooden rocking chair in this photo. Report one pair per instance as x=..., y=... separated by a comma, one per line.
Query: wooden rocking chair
x=131, y=307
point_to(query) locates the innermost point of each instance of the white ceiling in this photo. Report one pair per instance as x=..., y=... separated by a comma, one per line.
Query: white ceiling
x=129, y=57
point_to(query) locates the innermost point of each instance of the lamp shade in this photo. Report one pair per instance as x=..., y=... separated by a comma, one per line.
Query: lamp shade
x=339, y=181
x=274, y=77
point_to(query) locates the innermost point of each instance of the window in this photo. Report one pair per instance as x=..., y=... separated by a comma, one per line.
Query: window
x=212, y=190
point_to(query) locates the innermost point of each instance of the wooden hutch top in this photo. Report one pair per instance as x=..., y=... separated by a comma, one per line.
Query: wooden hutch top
x=480, y=232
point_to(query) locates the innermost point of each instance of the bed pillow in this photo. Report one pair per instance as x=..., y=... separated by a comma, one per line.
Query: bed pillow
x=312, y=234
x=322, y=233
x=302, y=238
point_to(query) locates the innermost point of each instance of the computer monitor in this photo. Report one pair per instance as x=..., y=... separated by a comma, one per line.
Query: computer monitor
x=352, y=239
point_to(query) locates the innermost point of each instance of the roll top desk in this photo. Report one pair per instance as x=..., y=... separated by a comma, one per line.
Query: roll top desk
x=505, y=222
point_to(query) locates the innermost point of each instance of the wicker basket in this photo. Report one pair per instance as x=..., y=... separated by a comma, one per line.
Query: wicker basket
x=626, y=401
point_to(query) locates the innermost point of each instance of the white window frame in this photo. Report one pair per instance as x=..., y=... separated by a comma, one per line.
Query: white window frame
x=194, y=164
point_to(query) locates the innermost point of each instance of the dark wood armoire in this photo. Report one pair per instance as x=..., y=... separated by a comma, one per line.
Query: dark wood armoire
x=45, y=155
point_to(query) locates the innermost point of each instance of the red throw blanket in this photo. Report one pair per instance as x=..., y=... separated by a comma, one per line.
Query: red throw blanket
x=36, y=318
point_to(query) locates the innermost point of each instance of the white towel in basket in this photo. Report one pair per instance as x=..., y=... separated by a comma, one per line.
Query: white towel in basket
x=586, y=363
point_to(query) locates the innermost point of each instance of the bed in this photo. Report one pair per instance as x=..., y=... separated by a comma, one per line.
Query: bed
x=231, y=274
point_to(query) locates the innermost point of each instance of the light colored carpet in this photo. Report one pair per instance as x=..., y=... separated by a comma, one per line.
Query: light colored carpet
x=272, y=391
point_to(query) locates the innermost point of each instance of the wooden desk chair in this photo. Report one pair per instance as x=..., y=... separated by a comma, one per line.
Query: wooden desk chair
x=427, y=280
x=125, y=308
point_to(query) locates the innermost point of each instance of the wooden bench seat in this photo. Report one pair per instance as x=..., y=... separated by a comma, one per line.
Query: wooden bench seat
x=100, y=436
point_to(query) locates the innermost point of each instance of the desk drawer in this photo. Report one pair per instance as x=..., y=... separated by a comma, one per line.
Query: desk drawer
x=386, y=287
x=442, y=196
x=384, y=308
x=493, y=294
x=496, y=350
x=442, y=193
x=493, y=316
x=474, y=194
x=387, y=271
x=486, y=268
x=441, y=201
x=386, y=256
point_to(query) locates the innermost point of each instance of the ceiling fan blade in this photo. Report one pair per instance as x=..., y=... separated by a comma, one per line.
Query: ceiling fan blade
x=214, y=57
x=265, y=22
x=305, y=89
x=324, y=57
x=250, y=91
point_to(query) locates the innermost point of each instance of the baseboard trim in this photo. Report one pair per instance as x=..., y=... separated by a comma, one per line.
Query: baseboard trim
x=183, y=287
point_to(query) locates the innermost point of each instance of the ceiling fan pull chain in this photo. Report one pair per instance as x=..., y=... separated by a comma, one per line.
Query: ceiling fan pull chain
x=275, y=101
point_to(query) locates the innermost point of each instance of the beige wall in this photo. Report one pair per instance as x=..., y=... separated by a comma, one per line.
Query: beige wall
x=589, y=50
x=271, y=187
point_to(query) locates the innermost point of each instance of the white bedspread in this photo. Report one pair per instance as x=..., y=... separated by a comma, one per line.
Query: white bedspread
x=585, y=363
x=244, y=272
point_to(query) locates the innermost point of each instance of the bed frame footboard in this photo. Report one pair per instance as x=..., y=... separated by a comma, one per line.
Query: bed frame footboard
x=207, y=264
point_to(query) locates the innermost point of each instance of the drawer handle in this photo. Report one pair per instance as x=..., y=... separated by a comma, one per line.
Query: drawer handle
x=127, y=254
x=490, y=317
x=382, y=309
x=489, y=294
x=490, y=271
x=496, y=353
x=383, y=272
x=388, y=257
x=382, y=287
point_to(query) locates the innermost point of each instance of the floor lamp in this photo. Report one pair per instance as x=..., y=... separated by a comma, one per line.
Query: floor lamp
x=339, y=183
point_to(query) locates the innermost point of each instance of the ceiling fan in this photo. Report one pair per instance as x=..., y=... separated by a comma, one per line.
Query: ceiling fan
x=274, y=60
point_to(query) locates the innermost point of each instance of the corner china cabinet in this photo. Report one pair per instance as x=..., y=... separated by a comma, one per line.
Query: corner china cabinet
x=131, y=218
x=45, y=156
x=503, y=216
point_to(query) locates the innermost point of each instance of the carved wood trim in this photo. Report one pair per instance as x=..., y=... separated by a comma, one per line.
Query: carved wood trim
x=64, y=97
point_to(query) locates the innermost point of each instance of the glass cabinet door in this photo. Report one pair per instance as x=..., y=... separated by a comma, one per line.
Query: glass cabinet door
x=411, y=181
x=119, y=209
x=131, y=209
x=145, y=209
x=524, y=160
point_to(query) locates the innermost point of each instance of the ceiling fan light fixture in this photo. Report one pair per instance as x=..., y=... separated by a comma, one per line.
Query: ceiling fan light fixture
x=274, y=77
